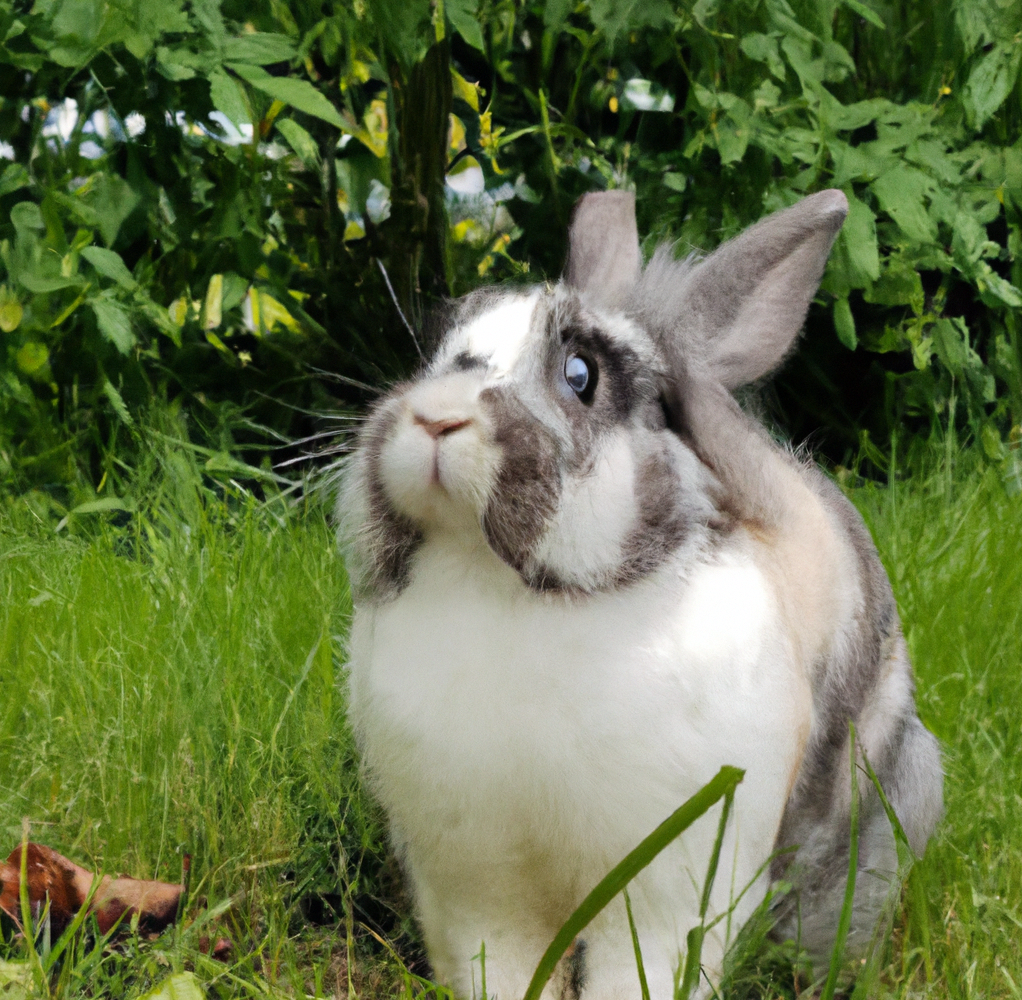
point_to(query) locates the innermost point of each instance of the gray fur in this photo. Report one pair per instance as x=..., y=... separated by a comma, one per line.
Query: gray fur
x=742, y=307
x=381, y=546
x=528, y=485
x=603, y=248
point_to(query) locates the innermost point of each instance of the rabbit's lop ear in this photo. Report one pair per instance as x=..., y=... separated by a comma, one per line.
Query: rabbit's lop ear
x=603, y=248
x=748, y=300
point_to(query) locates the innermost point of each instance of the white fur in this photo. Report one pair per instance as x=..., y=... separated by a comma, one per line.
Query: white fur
x=499, y=335
x=522, y=744
x=442, y=482
x=595, y=514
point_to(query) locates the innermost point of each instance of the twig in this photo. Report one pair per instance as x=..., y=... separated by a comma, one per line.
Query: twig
x=397, y=306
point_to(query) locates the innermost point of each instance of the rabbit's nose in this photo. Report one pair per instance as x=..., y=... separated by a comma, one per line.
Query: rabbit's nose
x=438, y=428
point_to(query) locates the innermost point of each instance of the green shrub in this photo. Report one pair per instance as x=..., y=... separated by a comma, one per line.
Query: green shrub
x=217, y=260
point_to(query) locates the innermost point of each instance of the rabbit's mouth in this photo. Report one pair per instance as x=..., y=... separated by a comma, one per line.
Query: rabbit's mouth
x=438, y=463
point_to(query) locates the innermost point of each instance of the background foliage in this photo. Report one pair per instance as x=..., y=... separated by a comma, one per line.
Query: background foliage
x=203, y=201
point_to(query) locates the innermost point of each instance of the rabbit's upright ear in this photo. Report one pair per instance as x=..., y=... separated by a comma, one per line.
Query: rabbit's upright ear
x=603, y=248
x=748, y=300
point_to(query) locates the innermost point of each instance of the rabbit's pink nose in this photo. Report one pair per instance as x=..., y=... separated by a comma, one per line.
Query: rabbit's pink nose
x=438, y=428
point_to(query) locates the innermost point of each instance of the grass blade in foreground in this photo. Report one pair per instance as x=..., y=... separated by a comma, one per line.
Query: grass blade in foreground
x=694, y=949
x=724, y=783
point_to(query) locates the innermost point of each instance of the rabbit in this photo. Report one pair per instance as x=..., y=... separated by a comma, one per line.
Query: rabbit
x=583, y=580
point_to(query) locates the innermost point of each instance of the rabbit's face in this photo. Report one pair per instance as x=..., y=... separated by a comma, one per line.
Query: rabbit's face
x=538, y=428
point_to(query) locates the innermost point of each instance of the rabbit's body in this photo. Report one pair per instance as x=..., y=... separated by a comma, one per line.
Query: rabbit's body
x=573, y=609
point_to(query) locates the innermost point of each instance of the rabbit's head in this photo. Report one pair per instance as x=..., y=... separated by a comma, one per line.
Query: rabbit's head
x=550, y=424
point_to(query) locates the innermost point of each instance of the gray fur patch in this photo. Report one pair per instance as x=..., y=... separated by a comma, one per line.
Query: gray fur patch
x=528, y=482
x=664, y=523
x=388, y=540
x=903, y=754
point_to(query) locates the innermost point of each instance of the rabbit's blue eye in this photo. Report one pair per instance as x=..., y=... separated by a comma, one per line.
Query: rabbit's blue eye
x=577, y=373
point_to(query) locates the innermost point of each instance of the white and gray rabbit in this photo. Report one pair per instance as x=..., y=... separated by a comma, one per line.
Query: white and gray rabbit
x=584, y=580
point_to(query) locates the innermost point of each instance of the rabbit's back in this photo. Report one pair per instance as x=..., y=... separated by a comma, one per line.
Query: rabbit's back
x=866, y=678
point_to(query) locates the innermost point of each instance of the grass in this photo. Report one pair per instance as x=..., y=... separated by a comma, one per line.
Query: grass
x=171, y=685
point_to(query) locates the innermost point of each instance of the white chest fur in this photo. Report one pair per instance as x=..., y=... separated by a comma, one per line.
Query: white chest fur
x=523, y=743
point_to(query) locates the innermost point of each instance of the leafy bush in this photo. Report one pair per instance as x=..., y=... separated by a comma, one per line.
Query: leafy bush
x=207, y=199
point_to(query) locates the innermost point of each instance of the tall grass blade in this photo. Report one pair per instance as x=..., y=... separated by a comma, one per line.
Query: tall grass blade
x=845, y=920
x=694, y=941
x=725, y=782
x=643, y=985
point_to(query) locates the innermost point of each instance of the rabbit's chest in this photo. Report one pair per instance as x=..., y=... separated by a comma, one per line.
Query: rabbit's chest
x=474, y=696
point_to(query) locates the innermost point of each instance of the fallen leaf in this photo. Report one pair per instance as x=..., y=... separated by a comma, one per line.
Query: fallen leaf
x=66, y=886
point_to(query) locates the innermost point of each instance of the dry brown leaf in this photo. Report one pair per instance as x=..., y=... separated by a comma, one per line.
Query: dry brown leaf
x=66, y=885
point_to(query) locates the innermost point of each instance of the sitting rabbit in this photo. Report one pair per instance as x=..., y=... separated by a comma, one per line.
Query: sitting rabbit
x=584, y=580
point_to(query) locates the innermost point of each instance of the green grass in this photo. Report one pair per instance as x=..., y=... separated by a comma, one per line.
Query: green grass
x=172, y=686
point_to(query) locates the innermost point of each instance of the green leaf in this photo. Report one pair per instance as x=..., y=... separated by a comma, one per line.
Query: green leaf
x=26, y=217
x=180, y=986
x=855, y=253
x=14, y=177
x=901, y=192
x=764, y=49
x=616, y=17
x=117, y=402
x=31, y=357
x=555, y=13
x=235, y=288
x=228, y=97
x=463, y=15
x=170, y=65
x=725, y=781
x=865, y=12
x=110, y=264
x=11, y=310
x=899, y=285
x=114, y=323
x=990, y=82
x=259, y=48
x=951, y=341
x=299, y=140
x=994, y=285
x=732, y=141
x=103, y=503
x=299, y=94
x=41, y=285
x=844, y=324
x=112, y=199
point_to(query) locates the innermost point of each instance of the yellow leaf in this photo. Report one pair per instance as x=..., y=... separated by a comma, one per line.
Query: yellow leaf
x=178, y=310
x=455, y=136
x=32, y=356
x=214, y=302
x=10, y=310
x=273, y=313
x=217, y=342
x=468, y=92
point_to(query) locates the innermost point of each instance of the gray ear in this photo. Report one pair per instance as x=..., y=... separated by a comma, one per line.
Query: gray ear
x=603, y=248
x=748, y=300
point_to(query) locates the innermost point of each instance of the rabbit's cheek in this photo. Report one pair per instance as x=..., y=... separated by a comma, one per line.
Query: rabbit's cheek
x=407, y=468
x=596, y=513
